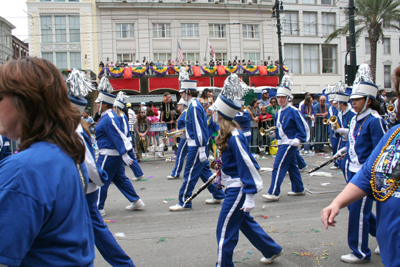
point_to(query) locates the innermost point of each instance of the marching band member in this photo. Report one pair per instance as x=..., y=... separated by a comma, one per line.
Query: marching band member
x=113, y=152
x=44, y=213
x=365, y=131
x=345, y=115
x=242, y=182
x=377, y=178
x=182, y=147
x=103, y=238
x=243, y=119
x=197, y=137
x=5, y=149
x=124, y=123
x=292, y=129
x=212, y=133
x=333, y=111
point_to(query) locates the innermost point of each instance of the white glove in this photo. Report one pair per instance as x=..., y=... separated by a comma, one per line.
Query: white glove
x=202, y=153
x=128, y=161
x=273, y=135
x=343, y=131
x=392, y=118
x=295, y=142
x=341, y=152
x=248, y=204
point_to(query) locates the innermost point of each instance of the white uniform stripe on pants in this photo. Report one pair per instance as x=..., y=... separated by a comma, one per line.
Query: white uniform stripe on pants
x=178, y=159
x=190, y=176
x=279, y=169
x=221, y=241
x=102, y=167
x=361, y=226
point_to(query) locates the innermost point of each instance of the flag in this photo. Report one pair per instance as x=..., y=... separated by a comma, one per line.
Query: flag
x=180, y=53
x=128, y=73
x=211, y=50
x=262, y=70
x=196, y=71
x=221, y=70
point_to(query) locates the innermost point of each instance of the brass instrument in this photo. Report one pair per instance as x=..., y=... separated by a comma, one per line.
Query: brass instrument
x=174, y=134
x=325, y=121
x=267, y=131
x=333, y=120
x=391, y=109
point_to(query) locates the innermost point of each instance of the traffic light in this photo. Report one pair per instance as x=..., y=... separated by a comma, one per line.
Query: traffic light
x=350, y=74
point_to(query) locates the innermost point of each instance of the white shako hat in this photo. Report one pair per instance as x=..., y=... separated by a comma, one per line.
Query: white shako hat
x=284, y=87
x=182, y=102
x=119, y=100
x=78, y=87
x=106, y=98
x=363, y=85
x=227, y=104
x=104, y=87
x=119, y=104
x=340, y=92
x=188, y=85
x=342, y=97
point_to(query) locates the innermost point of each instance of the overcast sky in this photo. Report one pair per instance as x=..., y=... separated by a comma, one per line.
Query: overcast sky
x=15, y=12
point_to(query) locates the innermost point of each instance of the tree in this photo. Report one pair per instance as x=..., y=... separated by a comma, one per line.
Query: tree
x=369, y=17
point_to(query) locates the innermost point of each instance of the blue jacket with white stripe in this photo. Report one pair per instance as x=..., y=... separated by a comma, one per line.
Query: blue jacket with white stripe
x=109, y=135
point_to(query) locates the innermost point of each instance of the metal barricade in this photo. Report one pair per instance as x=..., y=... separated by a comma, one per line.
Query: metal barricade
x=319, y=136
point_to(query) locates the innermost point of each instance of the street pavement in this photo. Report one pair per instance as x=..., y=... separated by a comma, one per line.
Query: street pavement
x=157, y=237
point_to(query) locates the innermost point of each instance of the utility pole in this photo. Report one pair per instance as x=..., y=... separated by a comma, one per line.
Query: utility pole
x=276, y=10
x=350, y=70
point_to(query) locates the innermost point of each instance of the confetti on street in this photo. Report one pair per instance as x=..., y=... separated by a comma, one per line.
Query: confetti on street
x=273, y=228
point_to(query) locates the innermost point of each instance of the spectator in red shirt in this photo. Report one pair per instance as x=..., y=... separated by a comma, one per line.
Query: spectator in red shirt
x=150, y=104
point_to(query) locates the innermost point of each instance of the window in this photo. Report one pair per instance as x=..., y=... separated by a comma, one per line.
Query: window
x=222, y=57
x=61, y=61
x=310, y=55
x=74, y=29
x=386, y=76
x=328, y=23
x=190, y=30
x=126, y=57
x=253, y=57
x=217, y=30
x=326, y=2
x=308, y=1
x=46, y=28
x=386, y=24
x=48, y=56
x=292, y=58
x=161, y=30
x=59, y=0
x=162, y=57
x=386, y=45
x=75, y=60
x=61, y=28
x=125, y=30
x=329, y=59
x=192, y=57
x=367, y=46
x=291, y=24
x=310, y=24
x=290, y=1
x=250, y=31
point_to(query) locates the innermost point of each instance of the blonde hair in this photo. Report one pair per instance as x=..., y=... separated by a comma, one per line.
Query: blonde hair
x=225, y=131
x=118, y=111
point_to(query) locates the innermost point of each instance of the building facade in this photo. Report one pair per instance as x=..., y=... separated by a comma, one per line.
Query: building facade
x=64, y=32
x=82, y=33
x=6, y=50
x=20, y=48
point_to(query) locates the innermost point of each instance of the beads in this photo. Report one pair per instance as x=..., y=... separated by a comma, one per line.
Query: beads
x=394, y=183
